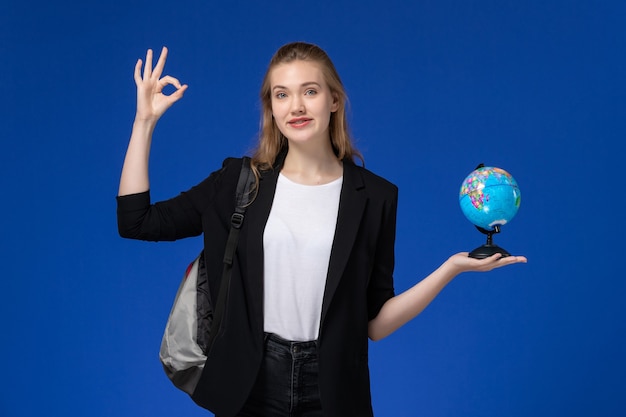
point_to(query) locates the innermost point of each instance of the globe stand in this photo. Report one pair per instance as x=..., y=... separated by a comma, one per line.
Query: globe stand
x=489, y=248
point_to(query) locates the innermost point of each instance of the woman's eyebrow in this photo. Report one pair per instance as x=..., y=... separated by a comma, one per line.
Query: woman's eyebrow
x=307, y=84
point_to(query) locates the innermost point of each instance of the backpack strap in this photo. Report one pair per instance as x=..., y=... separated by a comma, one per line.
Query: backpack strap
x=243, y=199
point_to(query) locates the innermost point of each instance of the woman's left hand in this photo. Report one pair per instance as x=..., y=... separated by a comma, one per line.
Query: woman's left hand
x=461, y=262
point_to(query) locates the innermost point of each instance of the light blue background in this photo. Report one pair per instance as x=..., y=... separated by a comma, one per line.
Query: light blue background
x=436, y=87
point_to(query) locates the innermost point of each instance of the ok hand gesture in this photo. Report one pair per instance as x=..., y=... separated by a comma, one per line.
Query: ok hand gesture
x=151, y=102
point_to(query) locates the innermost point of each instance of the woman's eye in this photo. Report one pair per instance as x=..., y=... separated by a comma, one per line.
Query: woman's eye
x=281, y=95
x=310, y=92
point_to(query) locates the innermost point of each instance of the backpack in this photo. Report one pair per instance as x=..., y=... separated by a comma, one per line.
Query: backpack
x=195, y=315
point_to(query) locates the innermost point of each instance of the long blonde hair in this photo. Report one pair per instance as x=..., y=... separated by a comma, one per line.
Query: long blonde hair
x=271, y=141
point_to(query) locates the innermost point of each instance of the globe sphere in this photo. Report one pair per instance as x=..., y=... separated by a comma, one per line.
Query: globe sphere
x=489, y=197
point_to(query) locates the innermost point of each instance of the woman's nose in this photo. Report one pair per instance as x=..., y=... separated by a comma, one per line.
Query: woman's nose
x=297, y=106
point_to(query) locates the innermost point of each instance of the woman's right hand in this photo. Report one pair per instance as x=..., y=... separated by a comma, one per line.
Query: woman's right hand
x=151, y=102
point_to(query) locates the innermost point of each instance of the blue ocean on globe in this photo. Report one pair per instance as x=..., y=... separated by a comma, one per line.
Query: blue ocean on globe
x=489, y=197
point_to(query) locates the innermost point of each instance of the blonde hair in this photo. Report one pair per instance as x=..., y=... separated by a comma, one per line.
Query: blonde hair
x=271, y=141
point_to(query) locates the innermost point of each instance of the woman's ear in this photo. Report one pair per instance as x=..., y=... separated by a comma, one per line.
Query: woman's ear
x=335, y=106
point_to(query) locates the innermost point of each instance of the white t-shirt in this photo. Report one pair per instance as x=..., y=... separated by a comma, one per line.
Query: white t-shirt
x=297, y=242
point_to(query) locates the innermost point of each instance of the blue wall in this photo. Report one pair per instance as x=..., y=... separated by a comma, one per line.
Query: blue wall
x=436, y=87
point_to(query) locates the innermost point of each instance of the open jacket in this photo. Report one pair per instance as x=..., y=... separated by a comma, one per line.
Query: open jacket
x=359, y=280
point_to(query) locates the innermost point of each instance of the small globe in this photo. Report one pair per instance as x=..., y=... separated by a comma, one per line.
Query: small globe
x=489, y=197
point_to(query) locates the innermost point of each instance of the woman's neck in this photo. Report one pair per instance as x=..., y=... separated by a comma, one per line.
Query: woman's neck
x=311, y=168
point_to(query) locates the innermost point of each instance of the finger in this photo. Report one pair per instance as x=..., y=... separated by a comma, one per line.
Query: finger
x=137, y=74
x=158, y=68
x=520, y=259
x=178, y=94
x=147, y=71
x=513, y=259
x=169, y=80
x=175, y=96
x=492, y=259
x=509, y=260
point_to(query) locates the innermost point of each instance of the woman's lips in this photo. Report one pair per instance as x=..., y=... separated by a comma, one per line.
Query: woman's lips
x=300, y=122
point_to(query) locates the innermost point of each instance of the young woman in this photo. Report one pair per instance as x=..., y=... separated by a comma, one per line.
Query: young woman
x=313, y=275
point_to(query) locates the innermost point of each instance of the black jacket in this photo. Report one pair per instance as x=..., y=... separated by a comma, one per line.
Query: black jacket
x=359, y=280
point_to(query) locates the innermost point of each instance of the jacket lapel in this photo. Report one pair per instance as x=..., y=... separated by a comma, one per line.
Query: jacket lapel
x=256, y=219
x=352, y=204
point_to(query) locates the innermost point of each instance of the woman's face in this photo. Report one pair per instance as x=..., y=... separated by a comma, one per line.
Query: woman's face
x=301, y=102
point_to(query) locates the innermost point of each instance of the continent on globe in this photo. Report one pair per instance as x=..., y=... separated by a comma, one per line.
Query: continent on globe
x=489, y=197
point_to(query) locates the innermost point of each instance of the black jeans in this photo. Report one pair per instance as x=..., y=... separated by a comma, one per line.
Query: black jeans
x=287, y=385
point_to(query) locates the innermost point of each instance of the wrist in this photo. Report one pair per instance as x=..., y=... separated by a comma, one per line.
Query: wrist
x=450, y=268
x=144, y=124
x=148, y=120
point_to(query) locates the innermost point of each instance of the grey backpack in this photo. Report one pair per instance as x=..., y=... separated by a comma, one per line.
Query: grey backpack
x=195, y=315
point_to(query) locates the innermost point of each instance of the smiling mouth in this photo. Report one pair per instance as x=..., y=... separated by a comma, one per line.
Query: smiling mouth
x=299, y=122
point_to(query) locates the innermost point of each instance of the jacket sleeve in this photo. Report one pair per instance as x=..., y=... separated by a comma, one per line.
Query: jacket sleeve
x=380, y=287
x=176, y=218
